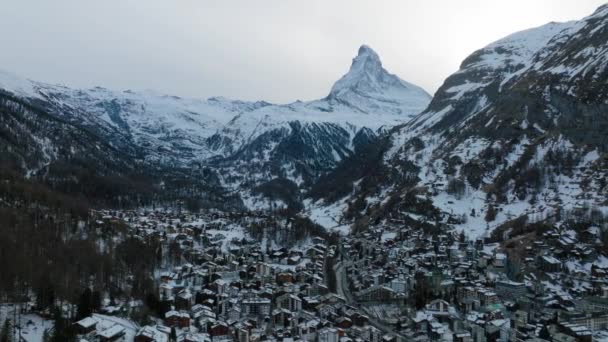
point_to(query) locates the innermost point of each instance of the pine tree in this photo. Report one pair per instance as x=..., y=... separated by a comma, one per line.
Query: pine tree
x=45, y=336
x=84, y=304
x=173, y=336
x=95, y=301
x=544, y=333
x=159, y=255
x=490, y=213
x=5, y=333
x=62, y=331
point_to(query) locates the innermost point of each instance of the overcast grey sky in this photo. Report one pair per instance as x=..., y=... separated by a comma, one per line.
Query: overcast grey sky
x=276, y=50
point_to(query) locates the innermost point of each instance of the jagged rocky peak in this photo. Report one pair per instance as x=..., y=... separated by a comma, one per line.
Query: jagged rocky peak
x=367, y=62
x=366, y=74
x=368, y=86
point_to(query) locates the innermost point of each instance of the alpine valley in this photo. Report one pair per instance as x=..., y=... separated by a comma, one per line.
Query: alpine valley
x=377, y=213
x=519, y=132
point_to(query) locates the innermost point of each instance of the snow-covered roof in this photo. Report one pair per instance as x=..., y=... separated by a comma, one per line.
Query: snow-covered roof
x=113, y=331
x=87, y=322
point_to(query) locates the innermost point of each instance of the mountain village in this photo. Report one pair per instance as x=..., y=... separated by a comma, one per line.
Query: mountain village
x=376, y=213
x=391, y=283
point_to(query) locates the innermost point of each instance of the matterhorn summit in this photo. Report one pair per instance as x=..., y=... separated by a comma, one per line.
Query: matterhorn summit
x=370, y=88
x=365, y=70
x=242, y=142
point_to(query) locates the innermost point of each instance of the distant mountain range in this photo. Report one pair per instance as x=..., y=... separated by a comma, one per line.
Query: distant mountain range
x=248, y=142
x=518, y=132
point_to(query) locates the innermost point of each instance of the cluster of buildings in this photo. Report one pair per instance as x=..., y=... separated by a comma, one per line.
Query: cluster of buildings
x=389, y=283
x=449, y=288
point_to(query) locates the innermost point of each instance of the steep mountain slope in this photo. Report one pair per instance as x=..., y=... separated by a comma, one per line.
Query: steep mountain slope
x=165, y=128
x=301, y=141
x=245, y=144
x=518, y=131
x=38, y=146
x=74, y=160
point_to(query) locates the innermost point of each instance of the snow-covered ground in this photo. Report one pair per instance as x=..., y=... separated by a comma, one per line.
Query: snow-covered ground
x=227, y=234
x=29, y=327
x=329, y=217
x=108, y=322
x=563, y=191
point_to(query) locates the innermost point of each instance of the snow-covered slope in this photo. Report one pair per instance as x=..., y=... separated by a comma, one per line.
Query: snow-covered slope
x=167, y=128
x=367, y=96
x=519, y=130
x=369, y=88
x=247, y=143
x=303, y=140
x=484, y=73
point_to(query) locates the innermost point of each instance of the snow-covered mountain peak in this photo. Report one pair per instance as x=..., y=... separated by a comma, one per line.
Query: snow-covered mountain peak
x=15, y=84
x=301, y=140
x=367, y=60
x=365, y=50
x=369, y=88
x=365, y=71
x=515, y=51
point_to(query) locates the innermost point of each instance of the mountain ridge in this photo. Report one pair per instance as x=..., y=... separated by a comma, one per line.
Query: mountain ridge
x=517, y=132
x=245, y=143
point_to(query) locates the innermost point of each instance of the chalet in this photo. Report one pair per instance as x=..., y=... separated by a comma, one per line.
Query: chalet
x=359, y=319
x=243, y=335
x=114, y=333
x=284, y=277
x=438, y=308
x=344, y=323
x=234, y=313
x=317, y=240
x=500, y=260
x=326, y=311
x=282, y=317
x=256, y=306
x=85, y=326
x=487, y=297
x=290, y=302
x=195, y=337
x=510, y=290
x=462, y=336
x=376, y=294
x=309, y=328
x=151, y=334
x=219, y=329
x=436, y=330
x=328, y=335
x=177, y=319
x=184, y=300
x=166, y=291
x=549, y=264
x=294, y=260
